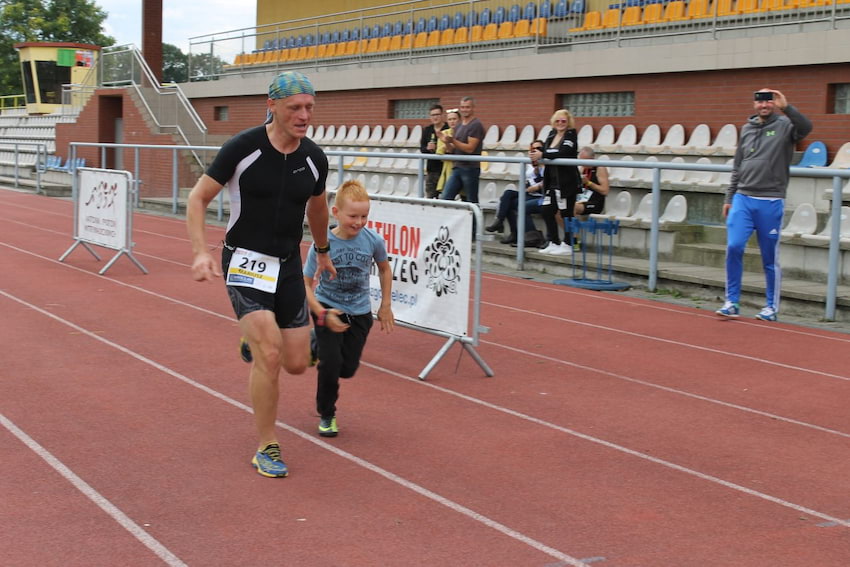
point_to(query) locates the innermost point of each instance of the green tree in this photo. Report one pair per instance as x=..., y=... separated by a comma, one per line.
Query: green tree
x=77, y=21
x=175, y=64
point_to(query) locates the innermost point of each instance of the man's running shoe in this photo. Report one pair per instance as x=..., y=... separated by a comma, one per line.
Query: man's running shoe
x=767, y=314
x=729, y=309
x=268, y=462
x=245, y=350
x=327, y=427
x=314, y=350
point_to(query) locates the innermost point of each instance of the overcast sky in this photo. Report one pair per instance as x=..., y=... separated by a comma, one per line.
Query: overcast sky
x=181, y=20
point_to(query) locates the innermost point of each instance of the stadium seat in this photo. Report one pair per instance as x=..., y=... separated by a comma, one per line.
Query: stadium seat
x=415, y=136
x=372, y=45
x=561, y=9
x=499, y=16
x=444, y=23
x=675, y=11
x=401, y=136
x=621, y=175
x=633, y=16
x=514, y=13
x=484, y=17
x=506, y=30
x=318, y=134
x=432, y=24
x=388, y=186
x=544, y=132
x=814, y=156
x=653, y=13
x=489, y=193
x=724, y=143
x=491, y=138
x=674, y=137
x=700, y=138
x=433, y=39
x=491, y=32
x=461, y=35
x=823, y=237
x=447, y=37
x=726, y=8
x=592, y=22
x=642, y=214
x=530, y=11
x=749, y=6
x=526, y=136
x=577, y=7
x=700, y=177
x=611, y=18
x=842, y=157
x=374, y=185
x=538, y=27
x=458, y=20
x=627, y=138
x=420, y=40
x=585, y=136
x=388, y=137
x=508, y=139
x=643, y=175
x=476, y=33
x=375, y=136
x=804, y=220
x=523, y=29
x=605, y=137
x=676, y=211
x=670, y=177
x=699, y=9
x=620, y=206
x=546, y=9
x=402, y=187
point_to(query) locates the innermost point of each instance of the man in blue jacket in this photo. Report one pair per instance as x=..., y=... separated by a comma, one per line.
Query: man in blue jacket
x=755, y=199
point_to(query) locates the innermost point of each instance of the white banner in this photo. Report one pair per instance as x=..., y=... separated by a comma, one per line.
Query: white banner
x=102, y=207
x=430, y=249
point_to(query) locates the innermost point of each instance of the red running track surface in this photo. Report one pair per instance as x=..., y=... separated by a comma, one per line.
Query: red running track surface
x=616, y=432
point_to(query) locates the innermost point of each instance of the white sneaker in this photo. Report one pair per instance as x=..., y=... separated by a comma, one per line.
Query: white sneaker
x=548, y=248
x=562, y=249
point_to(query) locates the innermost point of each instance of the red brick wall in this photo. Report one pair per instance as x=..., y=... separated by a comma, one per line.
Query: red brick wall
x=95, y=126
x=715, y=98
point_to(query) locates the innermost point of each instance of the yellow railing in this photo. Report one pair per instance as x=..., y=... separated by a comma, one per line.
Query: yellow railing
x=8, y=102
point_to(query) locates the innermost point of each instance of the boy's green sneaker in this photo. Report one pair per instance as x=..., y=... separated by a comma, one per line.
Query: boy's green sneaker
x=327, y=427
x=268, y=462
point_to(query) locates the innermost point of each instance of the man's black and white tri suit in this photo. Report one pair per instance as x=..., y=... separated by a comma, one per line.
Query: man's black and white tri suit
x=268, y=190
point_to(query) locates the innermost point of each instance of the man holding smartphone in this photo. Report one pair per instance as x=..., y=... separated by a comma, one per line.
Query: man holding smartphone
x=755, y=199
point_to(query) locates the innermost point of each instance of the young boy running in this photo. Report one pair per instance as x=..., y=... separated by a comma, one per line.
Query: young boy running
x=340, y=306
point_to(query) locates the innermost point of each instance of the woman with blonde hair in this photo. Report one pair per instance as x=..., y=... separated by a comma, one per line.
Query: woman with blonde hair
x=561, y=183
x=452, y=118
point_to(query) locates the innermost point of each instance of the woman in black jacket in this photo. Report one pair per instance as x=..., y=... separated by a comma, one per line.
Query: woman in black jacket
x=562, y=183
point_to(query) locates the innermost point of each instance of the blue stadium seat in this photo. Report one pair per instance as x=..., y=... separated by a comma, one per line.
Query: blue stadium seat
x=432, y=24
x=366, y=32
x=444, y=23
x=471, y=18
x=408, y=27
x=513, y=14
x=299, y=41
x=267, y=44
x=376, y=31
x=326, y=38
x=345, y=36
x=633, y=3
x=499, y=15
x=545, y=9
x=387, y=30
x=355, y=34
x=309, y=40
x=577, y=7
x=420, y=25
x=561, y=9
x=530, y=11
x=814, y=156
x=397, y=28
x=457, y=22
x=484, y=18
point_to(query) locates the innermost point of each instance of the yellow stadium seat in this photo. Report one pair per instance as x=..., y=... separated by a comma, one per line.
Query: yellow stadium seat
x=407, y=41
x=433, y=39
x=750, y=7
x=506, y=30
x=327, y=50
x=632, y=16
x=592, y=21
x=384, y=43
x=371, y=45
x=310, y=52
x=538, y=26
x=675, y=11
x=491, y=32
x=699, y=9
x=775, y=5
x=395, y=43
x=420, y=40
x=522, y=29
x=817, y=3
x=611, y=18
x=653, y=13
x=726, y=8
x=461, y=35
x=477, y=33
x=240, y=59
x=447, y=36
x=350, y=48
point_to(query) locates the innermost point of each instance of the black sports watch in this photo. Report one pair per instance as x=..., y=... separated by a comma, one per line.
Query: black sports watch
x=322, y=249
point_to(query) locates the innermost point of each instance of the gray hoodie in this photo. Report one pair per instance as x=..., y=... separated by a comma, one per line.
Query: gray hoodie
x=764, y=153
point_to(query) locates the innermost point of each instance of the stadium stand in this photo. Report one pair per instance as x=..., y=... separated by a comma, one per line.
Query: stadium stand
x=804, y=220
x=823, y=238
x=814, y=156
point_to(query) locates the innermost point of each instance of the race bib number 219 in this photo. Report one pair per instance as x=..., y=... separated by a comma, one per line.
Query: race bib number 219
x=252, y=269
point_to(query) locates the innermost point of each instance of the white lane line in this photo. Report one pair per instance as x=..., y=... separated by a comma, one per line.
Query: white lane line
x=120, y=517
x=635, y=380
x=670, y=341
x=452, y=505
x=670, y=390
x=620, y=448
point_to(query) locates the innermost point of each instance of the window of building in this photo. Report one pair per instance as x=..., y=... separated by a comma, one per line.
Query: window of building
x=415, y=109
x=842, y=98
x=221, y=113
x=600, y=104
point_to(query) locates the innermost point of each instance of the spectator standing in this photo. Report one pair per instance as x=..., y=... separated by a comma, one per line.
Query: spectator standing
x=562, y=182
x=467, y=139
x=452, y=120
x=353, y=250
x=261, y=250
x=428, y=145
x=755, y=199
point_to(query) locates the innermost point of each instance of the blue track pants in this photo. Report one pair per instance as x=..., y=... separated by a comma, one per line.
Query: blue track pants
x=764, y=216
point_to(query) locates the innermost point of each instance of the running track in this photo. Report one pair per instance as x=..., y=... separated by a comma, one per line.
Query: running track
x=616, y=432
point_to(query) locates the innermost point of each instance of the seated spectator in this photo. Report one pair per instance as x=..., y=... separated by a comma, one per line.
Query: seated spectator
x=594, y=181
x=509, y=202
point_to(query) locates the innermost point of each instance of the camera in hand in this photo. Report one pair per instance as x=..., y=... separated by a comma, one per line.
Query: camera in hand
x=761, y=96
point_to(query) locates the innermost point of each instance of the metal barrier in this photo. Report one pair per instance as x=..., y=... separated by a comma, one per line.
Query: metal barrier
x=837, y=175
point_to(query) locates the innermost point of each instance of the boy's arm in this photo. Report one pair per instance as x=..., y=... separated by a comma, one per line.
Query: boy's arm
x=385, y=311
x=324, y=317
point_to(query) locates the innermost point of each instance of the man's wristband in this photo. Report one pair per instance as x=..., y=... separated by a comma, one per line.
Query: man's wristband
x=322, y=249
x=321, y=318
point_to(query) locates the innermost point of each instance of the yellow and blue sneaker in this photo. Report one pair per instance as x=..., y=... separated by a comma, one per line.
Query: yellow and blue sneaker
x=245, y=350
x=268, y=462
x=327, y=427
